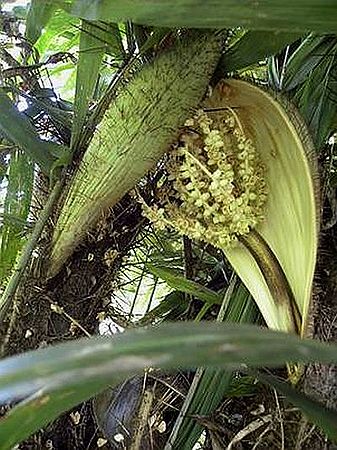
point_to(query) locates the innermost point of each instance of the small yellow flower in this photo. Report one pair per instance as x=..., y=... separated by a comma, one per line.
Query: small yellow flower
x=241, y=180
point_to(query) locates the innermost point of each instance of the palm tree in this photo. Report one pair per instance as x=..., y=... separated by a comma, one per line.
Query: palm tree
x=90, y=102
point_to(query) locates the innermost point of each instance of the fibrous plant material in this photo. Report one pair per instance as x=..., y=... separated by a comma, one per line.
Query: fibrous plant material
x=241, y=178
x=134, y=133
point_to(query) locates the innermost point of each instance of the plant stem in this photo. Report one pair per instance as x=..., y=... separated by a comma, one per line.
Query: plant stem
x=273, y=275
x=15, y=279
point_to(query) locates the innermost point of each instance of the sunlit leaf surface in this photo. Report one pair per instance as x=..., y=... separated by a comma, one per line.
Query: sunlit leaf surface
x=59, y=377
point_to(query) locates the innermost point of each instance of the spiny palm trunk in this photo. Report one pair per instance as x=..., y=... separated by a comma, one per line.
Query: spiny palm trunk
x=321, y=379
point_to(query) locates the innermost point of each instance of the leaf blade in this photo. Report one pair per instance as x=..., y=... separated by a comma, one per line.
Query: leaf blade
x=280, y=15
x=18, y=129
x=253, y=47
x=75, y=371
x=38, y=16
x=94, y=42
x=182, y=284
x=16, y=210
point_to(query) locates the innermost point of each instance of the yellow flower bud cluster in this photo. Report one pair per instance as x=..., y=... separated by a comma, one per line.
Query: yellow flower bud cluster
x=215, y=190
